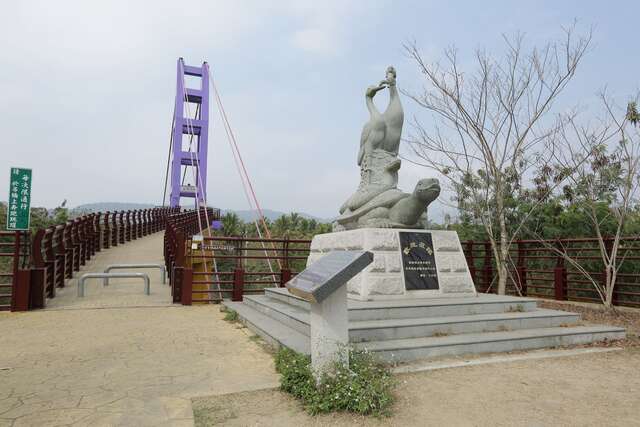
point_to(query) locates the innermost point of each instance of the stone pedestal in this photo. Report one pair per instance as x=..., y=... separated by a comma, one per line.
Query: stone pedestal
x=329, y=329
x=407, y=263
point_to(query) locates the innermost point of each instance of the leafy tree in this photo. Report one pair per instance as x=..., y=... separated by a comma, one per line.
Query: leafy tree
x=231, y=224
x=490, y=124
x=602, y=164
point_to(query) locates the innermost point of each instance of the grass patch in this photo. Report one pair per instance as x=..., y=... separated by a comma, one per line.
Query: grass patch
x=231, y=315
x=365, y=387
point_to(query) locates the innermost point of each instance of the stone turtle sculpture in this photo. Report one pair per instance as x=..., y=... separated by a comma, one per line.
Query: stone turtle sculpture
x=392, y=208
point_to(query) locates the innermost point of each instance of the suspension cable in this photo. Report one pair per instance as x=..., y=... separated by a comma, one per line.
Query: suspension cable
x=235, y=144
x=255, y=219
x=244, y=177
x=166, y=175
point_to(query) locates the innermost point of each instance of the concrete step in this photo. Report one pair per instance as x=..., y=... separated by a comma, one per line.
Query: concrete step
x=392, y=329
x=404, y=350
x=291, y=315
x=272, y=331
x=375, y=330
x=419, y=308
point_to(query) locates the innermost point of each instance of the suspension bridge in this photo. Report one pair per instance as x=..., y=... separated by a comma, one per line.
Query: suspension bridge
x=107, y=340
x=44, y=263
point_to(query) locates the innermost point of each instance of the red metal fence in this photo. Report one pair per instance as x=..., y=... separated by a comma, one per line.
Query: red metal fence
x=208, y=269
x=538, y=269
x=32, y=267
x=243, y=265
x=212, y=268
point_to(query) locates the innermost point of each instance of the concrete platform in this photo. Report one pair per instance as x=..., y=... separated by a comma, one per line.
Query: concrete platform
x=401, y=330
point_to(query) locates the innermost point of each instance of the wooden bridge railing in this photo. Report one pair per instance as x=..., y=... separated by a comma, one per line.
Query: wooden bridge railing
x=537, y=268
x=33, y=267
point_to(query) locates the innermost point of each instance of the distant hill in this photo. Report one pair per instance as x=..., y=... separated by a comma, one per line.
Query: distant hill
x=109, y=206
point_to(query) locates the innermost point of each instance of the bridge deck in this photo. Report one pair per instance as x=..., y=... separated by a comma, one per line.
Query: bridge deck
x=120, y=292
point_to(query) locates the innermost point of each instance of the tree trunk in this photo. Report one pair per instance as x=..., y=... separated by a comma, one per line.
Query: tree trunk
x=608, y=286
x=503, y=250
x=502, y=277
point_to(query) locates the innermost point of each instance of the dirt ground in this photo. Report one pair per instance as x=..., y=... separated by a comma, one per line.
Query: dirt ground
x=599, y=389
x=588, y=390
x=628, y=318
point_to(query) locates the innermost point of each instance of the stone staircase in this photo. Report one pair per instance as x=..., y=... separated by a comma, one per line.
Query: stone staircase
x=406, y=330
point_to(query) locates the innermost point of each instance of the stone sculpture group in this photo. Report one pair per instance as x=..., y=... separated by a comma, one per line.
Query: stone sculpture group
x=378, y=203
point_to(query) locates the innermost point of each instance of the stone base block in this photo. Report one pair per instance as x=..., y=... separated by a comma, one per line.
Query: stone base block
x=385, y=278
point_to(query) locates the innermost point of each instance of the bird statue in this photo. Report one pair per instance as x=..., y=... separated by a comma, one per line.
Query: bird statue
x=374, y=130
x=393, y=116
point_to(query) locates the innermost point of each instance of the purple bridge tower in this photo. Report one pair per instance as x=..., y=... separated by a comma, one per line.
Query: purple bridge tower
x=190, y=136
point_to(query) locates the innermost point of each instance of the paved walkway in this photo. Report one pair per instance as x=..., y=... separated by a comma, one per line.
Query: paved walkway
x=120, y=292
x=118, y=357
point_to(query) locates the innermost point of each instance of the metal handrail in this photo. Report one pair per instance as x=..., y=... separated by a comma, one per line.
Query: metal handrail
x=163, y=270
x=84, y=277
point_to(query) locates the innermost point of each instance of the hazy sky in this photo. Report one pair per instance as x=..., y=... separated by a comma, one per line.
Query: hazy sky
x=87, y=87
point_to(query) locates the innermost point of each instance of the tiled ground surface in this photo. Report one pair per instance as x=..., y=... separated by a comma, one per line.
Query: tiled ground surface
x=118, y=357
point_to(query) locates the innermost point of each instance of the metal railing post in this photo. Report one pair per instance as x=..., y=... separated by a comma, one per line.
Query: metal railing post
x=560, y=276
x=471, y=262
x=186, y=297
x=238, y=284
x=20, y=280
x=487, y=267
x=522, y=268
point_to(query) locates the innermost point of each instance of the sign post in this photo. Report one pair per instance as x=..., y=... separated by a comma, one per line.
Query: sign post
x=19, y=209
x=323, y=284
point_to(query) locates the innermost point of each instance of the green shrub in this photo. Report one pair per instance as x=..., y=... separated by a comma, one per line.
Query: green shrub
x=365, y=387
x=231, y=315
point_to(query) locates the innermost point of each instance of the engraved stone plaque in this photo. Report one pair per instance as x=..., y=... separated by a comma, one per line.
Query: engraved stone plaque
x=323, y=277
x=418, y=261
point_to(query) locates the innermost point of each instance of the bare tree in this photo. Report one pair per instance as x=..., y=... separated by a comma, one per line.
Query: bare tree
x=489, y=125
x=602, y=165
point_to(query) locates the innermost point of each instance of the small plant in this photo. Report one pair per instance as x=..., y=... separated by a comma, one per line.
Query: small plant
x=441, y=334
x=231, y=315
x=570, y=325
x=365, y=387
x=519, y=308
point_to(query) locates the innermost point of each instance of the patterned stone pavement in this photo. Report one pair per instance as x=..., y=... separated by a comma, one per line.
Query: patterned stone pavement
x=120, y=358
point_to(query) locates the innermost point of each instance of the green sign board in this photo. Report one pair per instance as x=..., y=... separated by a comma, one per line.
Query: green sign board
x=19, y=210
